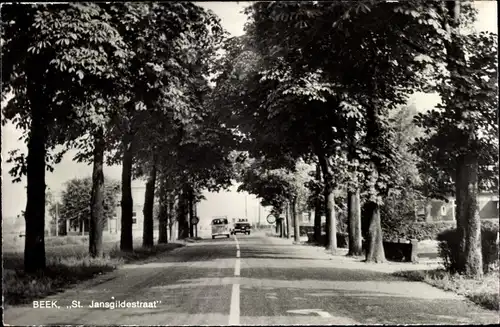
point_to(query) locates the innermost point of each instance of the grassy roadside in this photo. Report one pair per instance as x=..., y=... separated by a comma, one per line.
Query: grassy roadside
x=192, y=239
x=484, y=292
x=63, y=271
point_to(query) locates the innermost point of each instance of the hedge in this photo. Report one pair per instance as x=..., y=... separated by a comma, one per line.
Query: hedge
x=449, y=241
x=418, y=230
x=342, y=239
x=304, y=230
x=341, y=227
x=427, y=231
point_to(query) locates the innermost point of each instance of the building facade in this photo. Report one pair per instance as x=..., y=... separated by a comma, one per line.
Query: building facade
x=138, y=193
x=433, y=210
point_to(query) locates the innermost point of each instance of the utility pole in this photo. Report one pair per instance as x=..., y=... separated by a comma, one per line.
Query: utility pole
x=246, y=215
x=195, y=209
x=259, y=214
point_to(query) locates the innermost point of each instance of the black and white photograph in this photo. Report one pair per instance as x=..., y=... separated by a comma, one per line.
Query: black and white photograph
x=260, y=163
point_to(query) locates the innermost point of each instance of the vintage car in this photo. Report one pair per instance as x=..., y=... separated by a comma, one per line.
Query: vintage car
x=241, y=225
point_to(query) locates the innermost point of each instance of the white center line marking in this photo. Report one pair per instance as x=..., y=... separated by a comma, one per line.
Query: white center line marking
x=234, y=311
x=237, y=268
x=237, y=243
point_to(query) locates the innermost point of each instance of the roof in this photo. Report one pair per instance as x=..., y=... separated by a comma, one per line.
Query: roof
x=492, y=195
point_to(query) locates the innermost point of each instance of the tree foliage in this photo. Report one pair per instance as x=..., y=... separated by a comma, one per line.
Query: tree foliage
x=276, y=187
x=75, y=200
x=442, y=144
x=66, y=49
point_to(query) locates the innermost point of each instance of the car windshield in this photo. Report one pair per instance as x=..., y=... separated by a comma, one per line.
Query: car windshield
x=238, y=225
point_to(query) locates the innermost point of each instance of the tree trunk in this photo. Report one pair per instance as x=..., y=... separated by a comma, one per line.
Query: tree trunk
x=375, y=251
x=173, y=219
x=162, y=224
x=171, y=213
x=287, y=217
x=331, y=220
x=183, y=229
x=163, y=213
x=354, y=223
x=296, y=227
x=195, y=214
x=149, y=198
x=1, y=180
x=461, y=218
x=34, y=246
x=317, y=210
x=468, y=220
x=374, y=242
x=191, y=211
x=473, y=256
x=331, y=223
x=126, y=236
x=353, y=198
x=97, y=197
x=180, y=215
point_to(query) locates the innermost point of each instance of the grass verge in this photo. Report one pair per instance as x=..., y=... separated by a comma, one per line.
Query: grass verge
x=484, y=292
x=65, y=271
x=66, y=240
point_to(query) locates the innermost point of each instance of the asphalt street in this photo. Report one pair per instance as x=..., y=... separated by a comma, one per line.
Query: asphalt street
x=250, y=280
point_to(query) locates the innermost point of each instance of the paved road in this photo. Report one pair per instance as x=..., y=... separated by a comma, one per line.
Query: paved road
x=253, y=280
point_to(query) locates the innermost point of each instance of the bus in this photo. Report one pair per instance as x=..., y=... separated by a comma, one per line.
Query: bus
x=220, y=227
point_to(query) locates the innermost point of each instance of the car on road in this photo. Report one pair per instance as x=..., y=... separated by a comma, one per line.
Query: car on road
x=220, y=227
x=241, y=227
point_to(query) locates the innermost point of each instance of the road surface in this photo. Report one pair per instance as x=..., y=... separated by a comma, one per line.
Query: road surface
x=251, y=280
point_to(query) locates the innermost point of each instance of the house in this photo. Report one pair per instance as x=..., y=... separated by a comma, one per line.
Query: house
x=113, y=225
x=305, y=219
x=433, y=210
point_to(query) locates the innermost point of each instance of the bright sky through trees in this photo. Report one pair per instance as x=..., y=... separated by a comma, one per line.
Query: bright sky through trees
x=233, y=20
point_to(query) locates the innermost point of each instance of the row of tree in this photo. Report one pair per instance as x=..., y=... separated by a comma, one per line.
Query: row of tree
x=119, y=83
x=318, y=81
x=308, y=94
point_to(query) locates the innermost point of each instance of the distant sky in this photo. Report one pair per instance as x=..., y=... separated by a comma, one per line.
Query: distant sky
x=225, y=203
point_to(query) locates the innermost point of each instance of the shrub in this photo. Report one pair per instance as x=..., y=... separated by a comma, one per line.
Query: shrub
x=342, y=222
x=426, y=231
x=342, y=240
x=304, y=230
x=341, y=226
x=488, y=300
x=448, y=249
x=449, y=244
x=418, y=230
